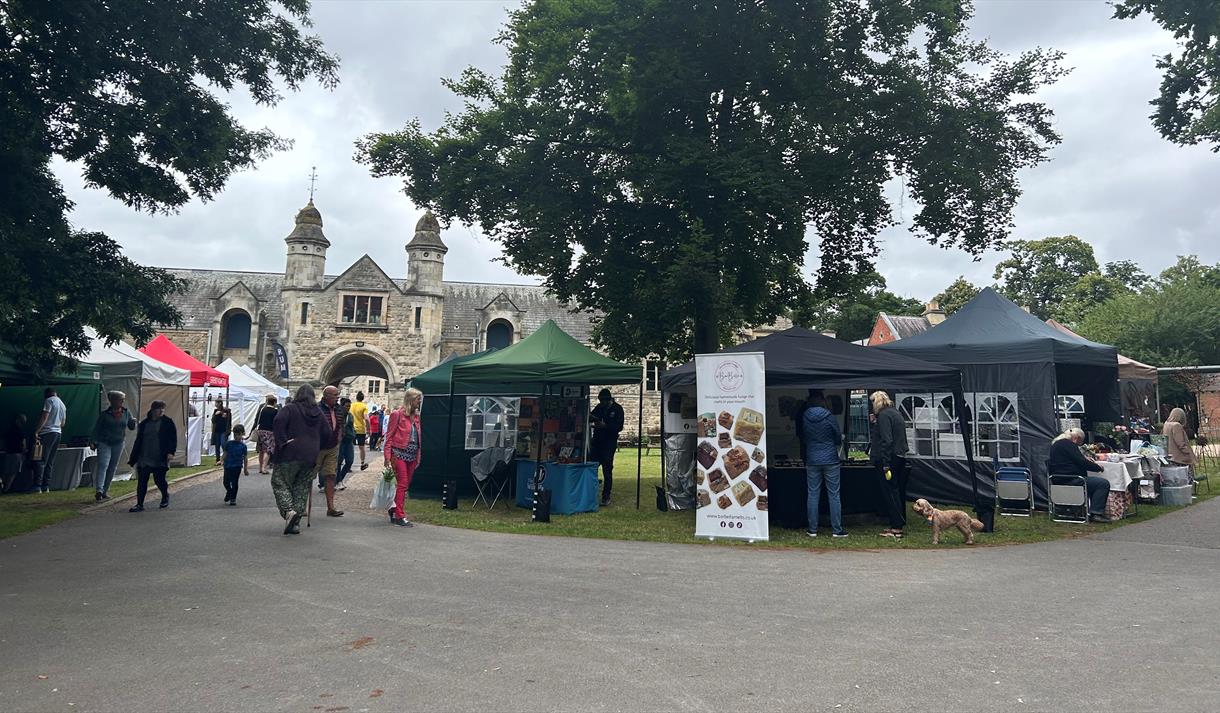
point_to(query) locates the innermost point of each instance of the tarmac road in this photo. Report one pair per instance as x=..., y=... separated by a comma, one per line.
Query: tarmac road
x=206, y=608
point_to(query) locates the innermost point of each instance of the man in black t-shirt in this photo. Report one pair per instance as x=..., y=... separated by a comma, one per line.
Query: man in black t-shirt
x=607, y=422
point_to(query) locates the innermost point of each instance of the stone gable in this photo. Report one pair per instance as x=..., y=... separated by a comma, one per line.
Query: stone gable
x=364, y=274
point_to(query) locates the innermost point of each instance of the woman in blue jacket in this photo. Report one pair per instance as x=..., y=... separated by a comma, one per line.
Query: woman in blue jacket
x=821, y=435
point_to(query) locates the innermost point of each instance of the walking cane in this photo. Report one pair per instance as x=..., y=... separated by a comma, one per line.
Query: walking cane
x=309, y=507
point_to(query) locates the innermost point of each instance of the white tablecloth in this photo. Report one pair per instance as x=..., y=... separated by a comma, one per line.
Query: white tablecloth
x=1120, y=474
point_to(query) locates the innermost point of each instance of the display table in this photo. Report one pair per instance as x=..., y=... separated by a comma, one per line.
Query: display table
x=788, y=489
x=573, y=486
x=1120, y=474
x=66, y=468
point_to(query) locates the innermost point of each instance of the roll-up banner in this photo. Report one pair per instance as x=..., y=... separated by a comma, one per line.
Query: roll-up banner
x=731, y=453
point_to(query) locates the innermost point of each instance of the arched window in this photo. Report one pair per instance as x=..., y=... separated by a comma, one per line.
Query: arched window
x=499, y=334
x=237, y=331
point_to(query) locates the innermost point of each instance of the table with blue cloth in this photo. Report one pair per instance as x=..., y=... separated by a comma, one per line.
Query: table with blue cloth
x=573, y=486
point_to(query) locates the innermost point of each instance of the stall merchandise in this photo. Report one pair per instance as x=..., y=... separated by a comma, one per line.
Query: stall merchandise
x=493, y=388
x=798, y=360
x=1015, y=369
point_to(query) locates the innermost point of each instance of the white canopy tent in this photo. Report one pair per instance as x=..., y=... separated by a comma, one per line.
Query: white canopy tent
x=247, y=391
x=144, y=380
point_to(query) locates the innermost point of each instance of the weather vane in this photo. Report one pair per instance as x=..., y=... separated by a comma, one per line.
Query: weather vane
x=313, y=178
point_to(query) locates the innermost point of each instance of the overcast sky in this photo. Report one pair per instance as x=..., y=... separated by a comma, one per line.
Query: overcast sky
x=1113, y=181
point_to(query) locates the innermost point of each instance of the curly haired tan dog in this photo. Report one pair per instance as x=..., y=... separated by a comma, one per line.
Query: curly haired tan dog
x=947, y=519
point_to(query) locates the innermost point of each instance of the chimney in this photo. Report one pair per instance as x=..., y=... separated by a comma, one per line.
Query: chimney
x=1026, y=309
x=933, y=313
x=830, y=333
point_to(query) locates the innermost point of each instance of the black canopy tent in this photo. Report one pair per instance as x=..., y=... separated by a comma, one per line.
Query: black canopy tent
x=802, y=359
x=1002, y=349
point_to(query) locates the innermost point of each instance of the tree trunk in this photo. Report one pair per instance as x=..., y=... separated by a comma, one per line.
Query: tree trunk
x=707, y=334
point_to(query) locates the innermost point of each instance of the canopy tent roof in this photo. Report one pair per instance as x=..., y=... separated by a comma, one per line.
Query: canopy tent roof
x=162, y=349
x=246, y=379
x=801, y=358
x=13, y=375
x=548, y=356
x=1128, y=368
x=151, y=369
x=437, y=380
x=991, y=329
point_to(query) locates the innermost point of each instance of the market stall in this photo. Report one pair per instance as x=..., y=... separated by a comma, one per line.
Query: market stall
x=532, y=396
x=247, y=391
x=203, y=376
x=144, y=380
x=797, y=361
x=1025, y=381
x=1137, y=389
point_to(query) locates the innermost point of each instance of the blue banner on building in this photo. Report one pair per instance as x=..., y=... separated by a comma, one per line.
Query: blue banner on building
x=281, y=359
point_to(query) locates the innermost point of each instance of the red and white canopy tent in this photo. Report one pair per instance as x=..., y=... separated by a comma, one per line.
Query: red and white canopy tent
x=164, y=350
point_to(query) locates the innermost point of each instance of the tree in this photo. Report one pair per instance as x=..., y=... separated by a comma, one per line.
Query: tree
x=1041, y=273
x=659, y=161
x=1127, y=273
x=1187, y=111
x=957, y=295
x=853, y=316
x=116, y=86
x=1174, y=321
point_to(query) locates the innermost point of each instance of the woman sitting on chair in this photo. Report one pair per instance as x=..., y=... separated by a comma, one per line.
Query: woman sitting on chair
x=1066, y=459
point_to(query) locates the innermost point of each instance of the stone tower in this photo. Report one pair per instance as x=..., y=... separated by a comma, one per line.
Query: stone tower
x=306, y=251
x=426, y=258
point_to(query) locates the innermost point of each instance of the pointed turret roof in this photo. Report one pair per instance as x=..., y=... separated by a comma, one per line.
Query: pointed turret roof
x=308, y=227
x=428, y=234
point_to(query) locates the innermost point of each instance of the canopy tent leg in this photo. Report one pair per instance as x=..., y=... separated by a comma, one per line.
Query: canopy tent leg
x=639, y=447
x=985, y=511
x=538, y=461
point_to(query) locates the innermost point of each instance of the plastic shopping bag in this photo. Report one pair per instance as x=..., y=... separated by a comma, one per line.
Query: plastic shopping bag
x=383, y=494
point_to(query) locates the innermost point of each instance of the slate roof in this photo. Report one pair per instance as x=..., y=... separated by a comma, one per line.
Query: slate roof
x=904, y=327
x=204, y=286
x=463, y=300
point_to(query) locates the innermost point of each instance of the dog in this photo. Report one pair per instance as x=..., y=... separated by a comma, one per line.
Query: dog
x=947, y=519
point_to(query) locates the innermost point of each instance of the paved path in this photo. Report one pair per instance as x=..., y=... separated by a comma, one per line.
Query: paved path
x=206, y=608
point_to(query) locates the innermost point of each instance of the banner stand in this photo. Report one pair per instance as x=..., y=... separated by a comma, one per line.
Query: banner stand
x=731, y=446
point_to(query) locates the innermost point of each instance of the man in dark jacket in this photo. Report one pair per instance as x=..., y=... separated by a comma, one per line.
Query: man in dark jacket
x=607, y=421
x=299, y=433
x=328, y=455
x=821, y=436
x=156, y=441
x=887, y=451
x=1066, y=459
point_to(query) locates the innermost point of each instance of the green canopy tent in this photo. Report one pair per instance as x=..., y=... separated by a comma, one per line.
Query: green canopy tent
x=548, y=358
x=21, y=391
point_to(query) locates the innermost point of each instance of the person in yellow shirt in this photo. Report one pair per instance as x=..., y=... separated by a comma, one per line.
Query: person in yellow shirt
x=360, y=423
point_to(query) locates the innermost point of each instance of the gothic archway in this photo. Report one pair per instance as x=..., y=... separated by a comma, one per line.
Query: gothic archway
x=354, y=362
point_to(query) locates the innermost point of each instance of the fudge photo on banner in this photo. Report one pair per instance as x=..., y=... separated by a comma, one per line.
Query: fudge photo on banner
x=759, y=478
x=706, y=454
x=724, y=502
x=762, y=502
x=749, y=426
x=743, y=492
x=707, y=425
x=736, y=461
x=716, y=480
x=704, y=497
x=726, y=420
x=724, y=440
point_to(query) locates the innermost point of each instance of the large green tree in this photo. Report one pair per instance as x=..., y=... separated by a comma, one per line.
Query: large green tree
x=1040, y=274
x=124, y=87
x=664, y=162
x=1173, y=321
x=957, y=294
x=852, y=316
x=1187, y=111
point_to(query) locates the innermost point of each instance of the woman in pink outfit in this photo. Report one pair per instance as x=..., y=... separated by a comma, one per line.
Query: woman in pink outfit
x=403, y=448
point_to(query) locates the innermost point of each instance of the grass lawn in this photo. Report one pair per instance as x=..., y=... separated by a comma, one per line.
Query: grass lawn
x=20, y=513
x=621, y=521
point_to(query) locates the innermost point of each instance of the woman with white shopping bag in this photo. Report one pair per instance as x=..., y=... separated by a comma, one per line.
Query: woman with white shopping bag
x=403, y=450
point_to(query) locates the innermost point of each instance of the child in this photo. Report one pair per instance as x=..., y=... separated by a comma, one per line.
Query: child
x=235, y=463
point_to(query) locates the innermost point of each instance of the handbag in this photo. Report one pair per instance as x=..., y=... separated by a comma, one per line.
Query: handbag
x=37, y=452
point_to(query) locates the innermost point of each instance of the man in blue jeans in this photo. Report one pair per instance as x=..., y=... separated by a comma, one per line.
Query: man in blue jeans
x=821, y=436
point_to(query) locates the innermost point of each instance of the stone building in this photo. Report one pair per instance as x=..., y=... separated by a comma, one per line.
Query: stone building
x=361, y=328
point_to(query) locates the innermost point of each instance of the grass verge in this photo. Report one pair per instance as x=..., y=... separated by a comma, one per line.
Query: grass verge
x=25, y=512
x=622, y=521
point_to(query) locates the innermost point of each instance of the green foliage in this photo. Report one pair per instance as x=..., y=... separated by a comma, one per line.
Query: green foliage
x=659, y=161
x=1187, y=111
x=116, y=86
x=852, y=317
x=1127, y=273
x=957, y=295
x=1041, y=273
x=1174, y=321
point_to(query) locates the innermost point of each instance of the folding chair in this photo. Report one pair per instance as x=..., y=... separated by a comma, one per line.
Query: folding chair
x=1014, y=486
x=1068, y=494
x=490, y=468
